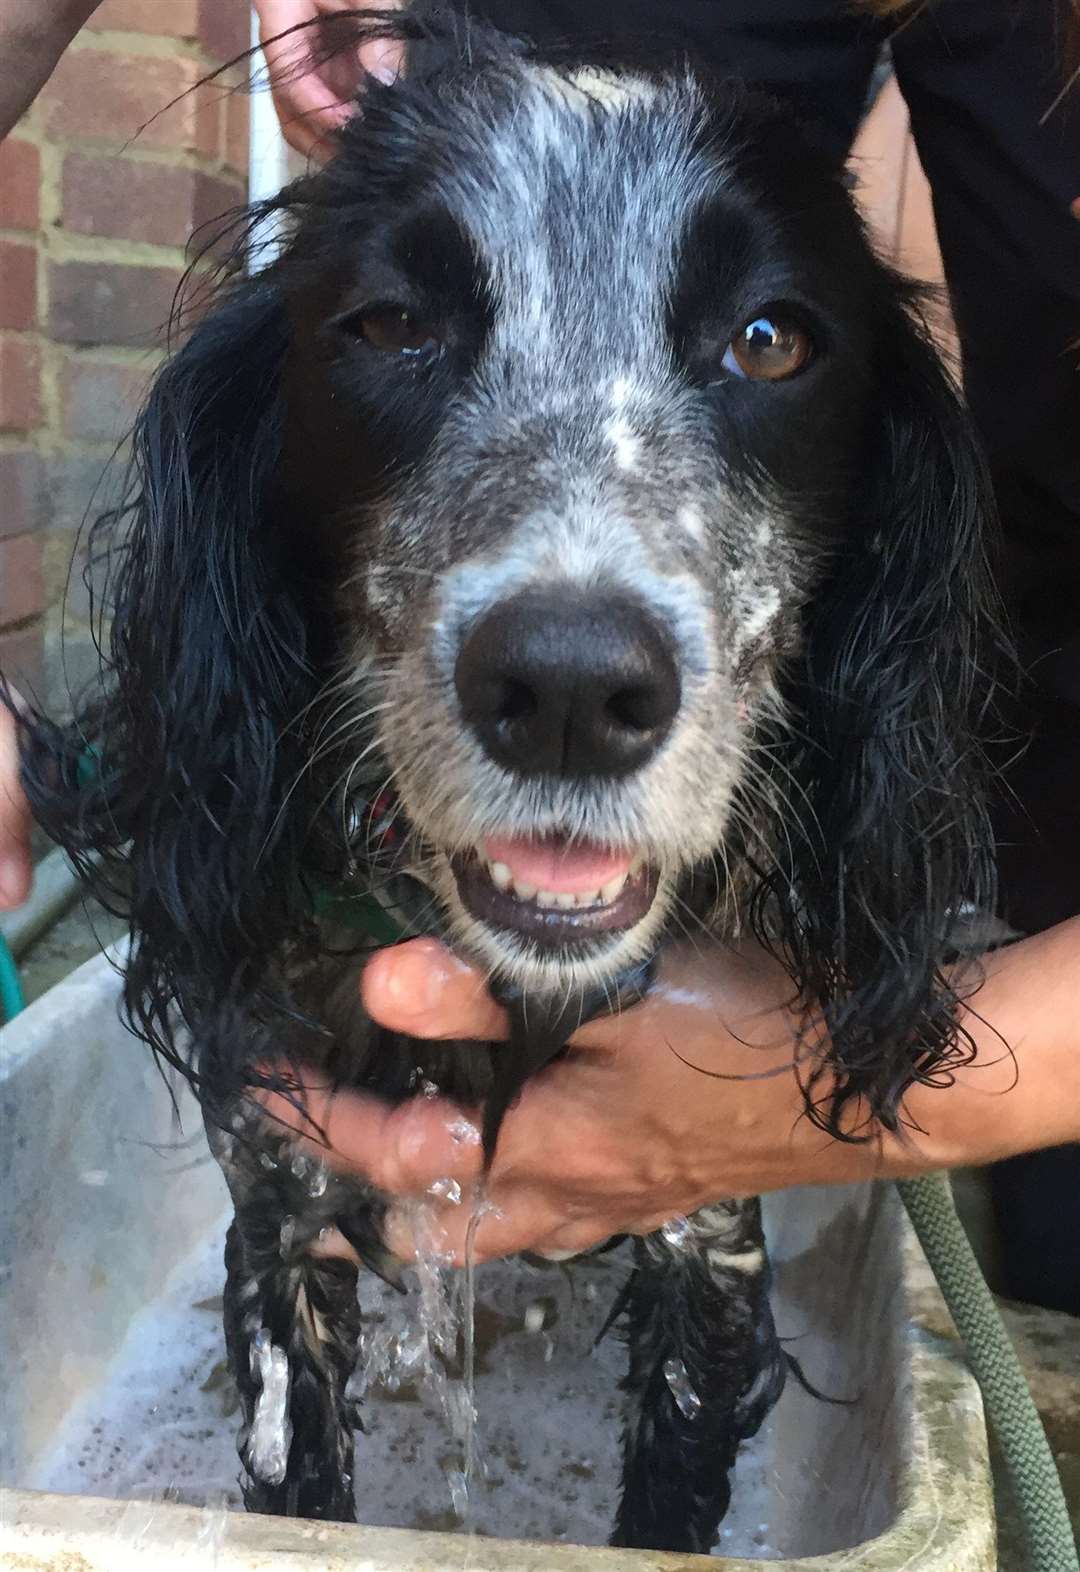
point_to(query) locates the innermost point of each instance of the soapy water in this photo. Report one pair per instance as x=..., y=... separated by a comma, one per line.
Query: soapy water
x=271, y=1432
x=675, y=1374
x=529, y=1449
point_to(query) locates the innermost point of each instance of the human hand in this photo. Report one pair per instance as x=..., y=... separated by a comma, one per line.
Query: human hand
x=14, y=820
x=314, y=73
x=622, y=1134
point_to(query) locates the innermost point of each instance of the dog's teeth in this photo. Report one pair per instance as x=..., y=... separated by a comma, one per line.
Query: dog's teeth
x=611, y=889
x=501, y=877
x=587, y=898
x=546, y=898
x=635, y=867
x=524, y=892
x=566, y=902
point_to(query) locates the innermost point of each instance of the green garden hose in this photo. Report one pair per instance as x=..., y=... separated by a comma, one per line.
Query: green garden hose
x=11, y=996
x=1010, y=1408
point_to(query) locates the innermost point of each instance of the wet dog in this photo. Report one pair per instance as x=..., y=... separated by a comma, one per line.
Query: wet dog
x=570, y=537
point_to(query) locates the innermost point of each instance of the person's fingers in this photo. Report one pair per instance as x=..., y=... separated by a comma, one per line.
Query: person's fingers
x=308, y=122
x=512, y=1220
x=314, y=79
x=14, y=820
x=423, y=989
x=402, y=1150
x=383, y=58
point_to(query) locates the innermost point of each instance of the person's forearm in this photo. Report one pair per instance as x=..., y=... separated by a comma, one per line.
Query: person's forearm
x=1023, y=1092
x=33, y=36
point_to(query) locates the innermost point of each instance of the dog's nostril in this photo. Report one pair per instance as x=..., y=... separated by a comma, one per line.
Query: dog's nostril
x=638, y=709
x=558, y=682
x=518, y=702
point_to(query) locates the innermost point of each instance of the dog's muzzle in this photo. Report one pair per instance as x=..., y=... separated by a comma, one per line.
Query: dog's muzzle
x=569, y=685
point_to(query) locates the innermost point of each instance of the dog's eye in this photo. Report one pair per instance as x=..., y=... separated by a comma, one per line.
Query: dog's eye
x=768, y=349
x=393, y=330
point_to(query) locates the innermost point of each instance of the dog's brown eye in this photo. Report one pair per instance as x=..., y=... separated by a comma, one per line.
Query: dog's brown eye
x=768, y=349
x=393, y=330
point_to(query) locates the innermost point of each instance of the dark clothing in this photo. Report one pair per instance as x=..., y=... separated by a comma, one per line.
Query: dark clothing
x=980, y=78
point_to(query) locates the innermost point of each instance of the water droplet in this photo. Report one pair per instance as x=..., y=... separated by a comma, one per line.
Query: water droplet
x=267, y=1161
x=464, y=1133
x=446, y=1190
x=686, y=1399
x=678, y=1232
x=459, y=1491
x=271, y=1432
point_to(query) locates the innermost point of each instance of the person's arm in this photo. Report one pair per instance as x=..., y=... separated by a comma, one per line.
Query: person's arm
x=14, y=820
x=624, y=1134
x=33, y=36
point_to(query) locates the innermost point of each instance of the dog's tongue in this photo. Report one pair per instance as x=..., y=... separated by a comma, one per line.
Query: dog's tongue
x=555, y=864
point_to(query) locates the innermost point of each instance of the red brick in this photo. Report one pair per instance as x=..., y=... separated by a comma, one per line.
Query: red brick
x=22, y=587
x=115, y=99
x=22, y=659
x=109, y=302
x=237, y=128
x=22, y=492
x=81, y=486
x=215, y=202
x=20, y=384
x=20, y=179
x=173, y=18
x=159, y=203
x=18, y=285
x=129, y=201
x=100, y=399
x=221, y=26
x=224, y=28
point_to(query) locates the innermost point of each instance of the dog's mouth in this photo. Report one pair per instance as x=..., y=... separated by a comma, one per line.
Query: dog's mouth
x=554, y=890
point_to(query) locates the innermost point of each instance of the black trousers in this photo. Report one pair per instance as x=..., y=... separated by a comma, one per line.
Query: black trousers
x=1000, y=143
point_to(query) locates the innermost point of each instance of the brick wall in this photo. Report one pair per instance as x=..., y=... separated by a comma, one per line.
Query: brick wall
x=96, y=207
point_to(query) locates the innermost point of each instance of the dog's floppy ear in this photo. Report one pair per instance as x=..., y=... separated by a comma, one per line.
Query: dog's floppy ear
x=186, y=760
x=890, y=706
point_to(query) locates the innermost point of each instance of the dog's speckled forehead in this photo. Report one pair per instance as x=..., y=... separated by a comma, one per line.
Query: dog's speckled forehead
x=586, y=186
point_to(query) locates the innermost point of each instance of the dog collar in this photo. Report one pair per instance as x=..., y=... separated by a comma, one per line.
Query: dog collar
x=358, y=910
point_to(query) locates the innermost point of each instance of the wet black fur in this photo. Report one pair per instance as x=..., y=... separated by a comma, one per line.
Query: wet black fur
x=217, y=838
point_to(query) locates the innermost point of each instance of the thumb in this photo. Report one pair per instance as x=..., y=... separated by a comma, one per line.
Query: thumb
x=423, y=989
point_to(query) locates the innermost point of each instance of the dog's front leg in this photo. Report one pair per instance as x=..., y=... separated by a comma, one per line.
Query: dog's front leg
x=705, y=1368
x=292, y=1327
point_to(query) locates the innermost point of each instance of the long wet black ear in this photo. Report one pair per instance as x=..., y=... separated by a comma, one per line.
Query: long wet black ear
x=895, y=843
x=177, y=776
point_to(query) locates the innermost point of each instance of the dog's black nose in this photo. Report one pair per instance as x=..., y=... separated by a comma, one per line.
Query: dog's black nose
x=564, y=683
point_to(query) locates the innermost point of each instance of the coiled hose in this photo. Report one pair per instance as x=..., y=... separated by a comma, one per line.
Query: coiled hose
x=1010, y=1408
x=11, y=995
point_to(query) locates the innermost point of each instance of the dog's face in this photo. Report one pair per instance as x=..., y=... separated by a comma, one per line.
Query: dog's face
x=578, y=473
x=578, y=385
